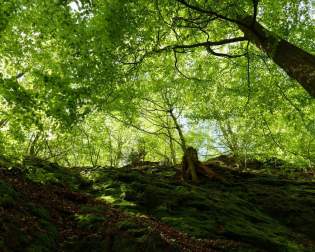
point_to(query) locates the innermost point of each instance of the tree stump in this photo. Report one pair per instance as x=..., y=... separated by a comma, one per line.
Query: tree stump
x=190, y=165
x=193, y=170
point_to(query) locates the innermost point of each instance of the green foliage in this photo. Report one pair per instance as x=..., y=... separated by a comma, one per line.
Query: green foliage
x=82, y=82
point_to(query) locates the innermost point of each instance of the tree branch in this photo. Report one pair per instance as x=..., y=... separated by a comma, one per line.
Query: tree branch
x=210, y=12
x=224, y=54
x=203, y=44
x=255, y=4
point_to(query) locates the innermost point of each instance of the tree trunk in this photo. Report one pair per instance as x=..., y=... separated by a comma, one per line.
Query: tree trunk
x=33, y=151
x=179, y=131
x=172, y=147
x=297, y=63
x=190, y=164
x=190, y=159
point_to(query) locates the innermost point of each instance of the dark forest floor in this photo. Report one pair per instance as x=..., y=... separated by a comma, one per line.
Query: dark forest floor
x=45, y=207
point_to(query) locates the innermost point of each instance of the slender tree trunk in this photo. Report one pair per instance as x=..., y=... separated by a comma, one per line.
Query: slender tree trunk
x=111, y=158
x=228, y=137
x=173, y=152
x=33, y=151
x=179, y=131
x=3, y=122
x=190, y=159
x=297, y=63
x=118, y=154
x=171, y=144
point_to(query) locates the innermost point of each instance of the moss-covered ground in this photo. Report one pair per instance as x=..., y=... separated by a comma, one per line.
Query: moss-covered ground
x=45, y=207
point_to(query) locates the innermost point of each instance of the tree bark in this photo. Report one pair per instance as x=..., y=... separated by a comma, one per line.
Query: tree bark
x=190, y=164
x=33, y=151
x=179, y=131
x=297, y=63
x=190, y=159
x=172, y=147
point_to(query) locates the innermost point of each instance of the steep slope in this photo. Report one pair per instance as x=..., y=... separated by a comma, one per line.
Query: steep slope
x=267, y=212
x=47, y=215
x=45, y=207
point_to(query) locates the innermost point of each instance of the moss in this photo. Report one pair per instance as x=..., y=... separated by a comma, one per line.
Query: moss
x=145, y=243
x=8, y=195
x=38, y=211
x=93, y=209
x=124, y=244
x=42, y=243
x=87, y=244
x=133, y=229
x=127, y=224
x=44, y=239
x=13, y=237
x=244, y=231
x=191, y=225
x=264, y=212
x=88, y=220
x=259, y=210
x=153, y=242
x=44, y=172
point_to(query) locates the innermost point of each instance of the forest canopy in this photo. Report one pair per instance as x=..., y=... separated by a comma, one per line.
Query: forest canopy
x=107, y=82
